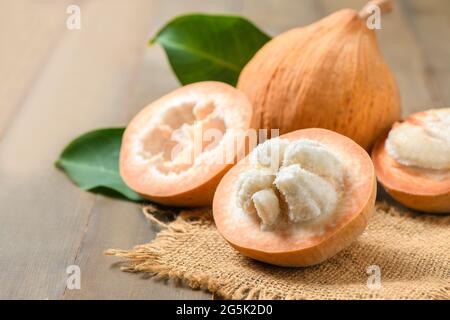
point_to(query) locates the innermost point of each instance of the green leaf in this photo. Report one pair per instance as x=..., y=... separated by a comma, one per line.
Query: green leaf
x=204, y=47
x=92, y=162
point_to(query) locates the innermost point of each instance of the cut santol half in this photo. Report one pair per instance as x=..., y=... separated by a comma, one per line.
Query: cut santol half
x=176, y=150
x=310, y=201
x=412, y=161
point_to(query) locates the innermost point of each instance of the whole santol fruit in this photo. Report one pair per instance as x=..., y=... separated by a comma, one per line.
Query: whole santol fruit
x=328, y=75
x=412, y=161
x=298, y=199
x=176, y=150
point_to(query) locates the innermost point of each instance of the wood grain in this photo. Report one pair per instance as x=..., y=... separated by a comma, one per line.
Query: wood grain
x=430, y=23
x=58, y=83
x=27, y=38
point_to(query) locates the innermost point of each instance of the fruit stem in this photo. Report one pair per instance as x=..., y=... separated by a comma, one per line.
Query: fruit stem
x=385, y=6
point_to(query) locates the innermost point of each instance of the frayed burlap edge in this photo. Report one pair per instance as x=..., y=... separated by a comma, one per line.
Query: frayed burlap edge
x=148, y=257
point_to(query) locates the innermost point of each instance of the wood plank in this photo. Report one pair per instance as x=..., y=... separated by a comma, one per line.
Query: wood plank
x=29, y=30
x=32, y=215
x=430, y=23
x=117, y=224
x=275, y=17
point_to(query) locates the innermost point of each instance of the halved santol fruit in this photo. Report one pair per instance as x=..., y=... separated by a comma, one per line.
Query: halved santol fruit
x=176, y=150
x=312, y=198
x=412, y=161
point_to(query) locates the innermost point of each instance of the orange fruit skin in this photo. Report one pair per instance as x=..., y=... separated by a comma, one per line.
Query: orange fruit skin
x=439, y=204
x=409, y=186
x=320, y=252
x=200, y=196
x=330, y=75
x=323, y=246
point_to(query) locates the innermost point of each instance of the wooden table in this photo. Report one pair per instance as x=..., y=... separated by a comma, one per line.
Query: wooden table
x=58, y=83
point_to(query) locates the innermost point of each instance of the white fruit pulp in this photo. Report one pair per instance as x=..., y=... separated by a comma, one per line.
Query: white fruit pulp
x=424, y=143
x=291, y=181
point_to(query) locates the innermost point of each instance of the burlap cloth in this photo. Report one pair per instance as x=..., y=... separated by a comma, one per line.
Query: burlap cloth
x=411, y=251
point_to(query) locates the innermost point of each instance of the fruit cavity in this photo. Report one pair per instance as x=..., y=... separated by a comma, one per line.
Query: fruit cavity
x=173, y=141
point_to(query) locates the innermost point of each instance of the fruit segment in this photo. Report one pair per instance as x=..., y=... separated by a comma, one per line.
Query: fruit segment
x=307, y=195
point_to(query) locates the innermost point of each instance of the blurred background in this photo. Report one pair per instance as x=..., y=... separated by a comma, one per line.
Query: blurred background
x=56, y=84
